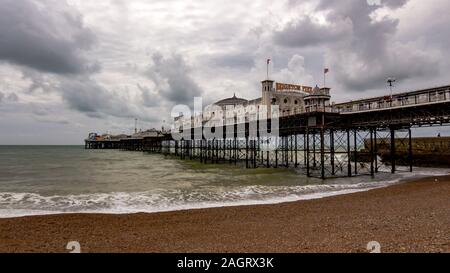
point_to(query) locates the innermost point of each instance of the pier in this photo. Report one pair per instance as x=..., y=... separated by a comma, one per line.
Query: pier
x=361, y=137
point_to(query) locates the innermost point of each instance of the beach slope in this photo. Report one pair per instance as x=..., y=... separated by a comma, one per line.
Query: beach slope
x=409, y=217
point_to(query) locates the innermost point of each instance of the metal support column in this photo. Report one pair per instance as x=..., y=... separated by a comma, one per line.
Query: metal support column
x=372, y=156
x=410, y=152
x=349, y=154
x=375, y=148
x=393, y=152
x=308, y=171
x=332, y=153
x=296, y=151
x=322, y=152
x=356, y=150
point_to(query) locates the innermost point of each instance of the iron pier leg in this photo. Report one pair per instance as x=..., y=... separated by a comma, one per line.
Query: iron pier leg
x=246, y=152
x=230, y=151
x=411, y=159
x=286, y=151
x=308, y=171
x=276, y=157
x=356, y=151
x=181, y=149
x=201, y=149
x=296, y=151
x=393, y=154
x=375, y=148
x=305, y=155
x=235, y=152
x=372, y=167
x=332, y=152
x=322, y=152
x=314, y=150
x=254, y=154
x=349, y=154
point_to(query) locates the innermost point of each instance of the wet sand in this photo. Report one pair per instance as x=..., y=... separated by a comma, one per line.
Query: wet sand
x=409, y=217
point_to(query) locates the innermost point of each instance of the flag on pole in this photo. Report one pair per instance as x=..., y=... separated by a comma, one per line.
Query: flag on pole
x=325, y=72
x=268, y=63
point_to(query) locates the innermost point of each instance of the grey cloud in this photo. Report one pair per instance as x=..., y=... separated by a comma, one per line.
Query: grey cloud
x=238, y=60
x=54, y=120
x=305, y=33
x=86, y=96
x=39, y=82
x=172, y=78
x=149, y=99
x=394, y=3
x=45, y=35
x=364, y=55
x=13, y=97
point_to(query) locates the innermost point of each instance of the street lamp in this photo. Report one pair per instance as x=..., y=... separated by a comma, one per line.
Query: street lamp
x=391, y=81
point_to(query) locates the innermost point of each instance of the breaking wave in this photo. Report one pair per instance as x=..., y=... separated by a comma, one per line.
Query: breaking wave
x=27, y=204
x=22, y=204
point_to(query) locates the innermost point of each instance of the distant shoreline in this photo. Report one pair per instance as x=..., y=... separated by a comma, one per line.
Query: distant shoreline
x=406, y=217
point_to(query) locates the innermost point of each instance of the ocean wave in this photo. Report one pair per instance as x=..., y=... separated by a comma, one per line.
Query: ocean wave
x=21, y=204
x=25, y=204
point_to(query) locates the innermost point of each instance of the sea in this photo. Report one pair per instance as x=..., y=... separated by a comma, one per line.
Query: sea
x=40, y=180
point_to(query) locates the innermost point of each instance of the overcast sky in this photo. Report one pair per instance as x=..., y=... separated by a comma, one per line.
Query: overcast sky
x=70, y=68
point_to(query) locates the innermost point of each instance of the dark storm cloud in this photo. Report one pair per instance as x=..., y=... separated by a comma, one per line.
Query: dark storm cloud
x=172, y=78
x=86, y=96
x=44, y=35
x=361, y=51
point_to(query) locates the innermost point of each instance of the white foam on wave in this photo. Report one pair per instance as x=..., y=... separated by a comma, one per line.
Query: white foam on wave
x=27, y=204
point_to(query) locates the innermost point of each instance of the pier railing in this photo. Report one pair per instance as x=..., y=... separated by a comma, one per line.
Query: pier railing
x=403, y=100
